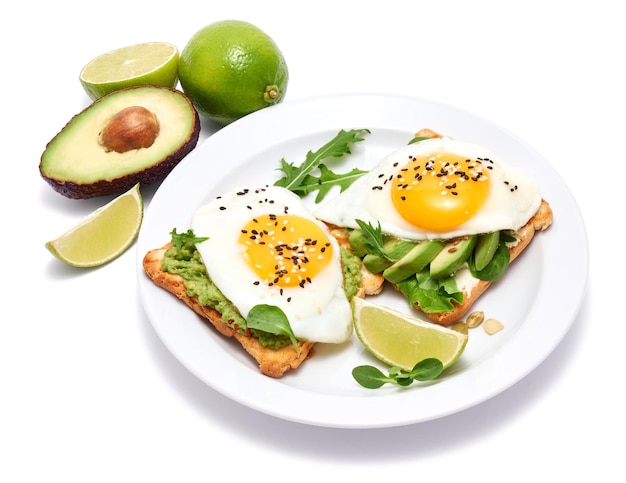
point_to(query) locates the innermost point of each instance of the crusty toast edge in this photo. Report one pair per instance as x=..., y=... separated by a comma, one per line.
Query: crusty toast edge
x=539, y=222
x=272, y=362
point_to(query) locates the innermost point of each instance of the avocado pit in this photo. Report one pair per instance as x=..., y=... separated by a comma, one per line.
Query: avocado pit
x=133, y=127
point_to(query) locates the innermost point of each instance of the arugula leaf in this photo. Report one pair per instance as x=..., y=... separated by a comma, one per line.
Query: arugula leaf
x=326, y=180
x=296, y=178
x=271, y=319
x=373, y=237
x=417, y=140
x=373, y=378
x=179, y=239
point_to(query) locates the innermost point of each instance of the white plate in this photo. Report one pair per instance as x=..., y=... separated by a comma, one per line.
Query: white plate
x=528, y=300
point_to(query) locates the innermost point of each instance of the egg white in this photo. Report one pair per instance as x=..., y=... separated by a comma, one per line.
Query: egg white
x=318, y=312
x=505, y=208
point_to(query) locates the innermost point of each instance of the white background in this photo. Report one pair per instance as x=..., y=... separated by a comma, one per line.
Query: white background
x=89, y=392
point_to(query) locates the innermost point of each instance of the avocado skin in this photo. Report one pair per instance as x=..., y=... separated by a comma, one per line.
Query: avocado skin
x=155, y=173
x=104, y=187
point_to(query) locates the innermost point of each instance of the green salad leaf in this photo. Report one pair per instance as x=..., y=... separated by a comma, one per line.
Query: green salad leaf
x=300, y=180
x=180, y=239
x=433, y=296
x=372, y=378
x=271, y=319
x=498, y=264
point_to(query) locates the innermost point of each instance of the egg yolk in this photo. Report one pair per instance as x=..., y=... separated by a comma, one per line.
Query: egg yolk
x=285, y=250
x=439, y=192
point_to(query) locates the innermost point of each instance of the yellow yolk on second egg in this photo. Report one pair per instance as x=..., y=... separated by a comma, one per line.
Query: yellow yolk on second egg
x=439, y=193
x=285, y=250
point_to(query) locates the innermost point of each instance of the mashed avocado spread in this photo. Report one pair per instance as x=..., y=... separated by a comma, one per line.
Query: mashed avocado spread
x=184, y=260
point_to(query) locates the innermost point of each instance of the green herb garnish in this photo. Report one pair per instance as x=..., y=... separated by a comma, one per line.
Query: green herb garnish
x=273, y=320
x=179, y=239
x=299, y=179
x=417, y=140
x=372, y=378
x=373, y=237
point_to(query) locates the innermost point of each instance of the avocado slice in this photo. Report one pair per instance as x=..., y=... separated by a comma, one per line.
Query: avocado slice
x=486, y=246
x=414, y=261
x=394, y=248
x=133, y=135
x=454, y=254
x=358, y=243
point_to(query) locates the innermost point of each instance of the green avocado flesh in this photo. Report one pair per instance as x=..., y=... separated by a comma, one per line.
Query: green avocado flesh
x=426, y=272
x=77, y=165
x=184, y=260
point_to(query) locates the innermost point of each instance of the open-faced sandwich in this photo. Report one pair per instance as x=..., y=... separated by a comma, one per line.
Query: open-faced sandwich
x=261, y=269
x=440, y=220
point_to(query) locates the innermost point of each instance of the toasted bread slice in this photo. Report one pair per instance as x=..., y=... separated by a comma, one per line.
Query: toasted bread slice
x=272, y=362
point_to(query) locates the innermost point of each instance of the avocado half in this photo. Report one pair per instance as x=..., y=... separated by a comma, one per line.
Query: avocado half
x=133, y=135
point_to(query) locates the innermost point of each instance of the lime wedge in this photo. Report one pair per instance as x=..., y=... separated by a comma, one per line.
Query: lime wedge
x=148, y=63
x=403, y=340
x=104, y=234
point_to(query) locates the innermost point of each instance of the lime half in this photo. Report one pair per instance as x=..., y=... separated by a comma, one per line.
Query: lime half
x=403, y=340
x=149, y=63
x=103, y=235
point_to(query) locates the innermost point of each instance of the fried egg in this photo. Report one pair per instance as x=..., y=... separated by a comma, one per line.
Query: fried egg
x=437, y=188
x=265, y=247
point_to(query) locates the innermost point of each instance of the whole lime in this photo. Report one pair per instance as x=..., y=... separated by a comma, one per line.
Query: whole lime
x=231, y=68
